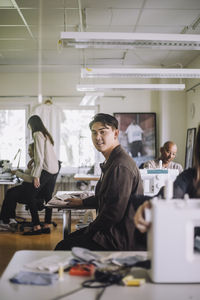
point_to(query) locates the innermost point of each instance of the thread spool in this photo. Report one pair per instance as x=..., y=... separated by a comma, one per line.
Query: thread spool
x=160, y=164
x=168, y=189
x=60, y=272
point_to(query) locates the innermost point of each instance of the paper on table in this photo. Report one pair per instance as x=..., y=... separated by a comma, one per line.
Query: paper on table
x=61, y=199
x=49, y=264
x=81, y=195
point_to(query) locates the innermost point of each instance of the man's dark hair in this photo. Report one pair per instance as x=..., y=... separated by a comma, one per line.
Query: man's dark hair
x=105, y=119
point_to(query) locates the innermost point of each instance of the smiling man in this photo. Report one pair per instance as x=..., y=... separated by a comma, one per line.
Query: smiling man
x=113, y=228
x=167, y=155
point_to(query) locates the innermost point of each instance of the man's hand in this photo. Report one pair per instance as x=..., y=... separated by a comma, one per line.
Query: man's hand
x=139, y=218
x=74, y=202
x=36, y=182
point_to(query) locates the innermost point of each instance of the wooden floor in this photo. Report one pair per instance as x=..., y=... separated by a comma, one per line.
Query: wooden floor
x=12, y=242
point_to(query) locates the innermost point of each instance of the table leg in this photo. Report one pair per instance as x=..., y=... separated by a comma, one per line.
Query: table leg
x=66, y=222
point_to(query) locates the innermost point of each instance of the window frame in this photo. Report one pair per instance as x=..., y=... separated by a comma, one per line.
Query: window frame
x=64, y=106
x=4, y=105
x=21, y=103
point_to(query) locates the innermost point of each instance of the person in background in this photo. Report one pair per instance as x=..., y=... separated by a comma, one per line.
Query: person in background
x=44, y=172
x=26, y=175
x=113, y=229
x=167, y=155
x=15, y=194
x=134, y=134
x=188, y=182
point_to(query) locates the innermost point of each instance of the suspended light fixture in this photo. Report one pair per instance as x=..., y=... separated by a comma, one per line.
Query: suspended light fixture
x=139, y=73
x=113, y=87
x=127, y=40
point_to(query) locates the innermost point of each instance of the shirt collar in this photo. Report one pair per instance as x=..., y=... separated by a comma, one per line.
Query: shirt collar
x=105, y=165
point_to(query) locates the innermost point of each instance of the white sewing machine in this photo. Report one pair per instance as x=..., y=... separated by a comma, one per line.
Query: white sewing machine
x=154, y=179
x=171, y=241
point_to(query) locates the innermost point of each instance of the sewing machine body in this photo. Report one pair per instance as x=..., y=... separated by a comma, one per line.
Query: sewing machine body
x=154, y=179
x=171, y=241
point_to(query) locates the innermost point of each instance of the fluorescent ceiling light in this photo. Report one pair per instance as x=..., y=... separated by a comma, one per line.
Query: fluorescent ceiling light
x=90, y=98
x=140, y=73
x=123, y=40
x=111, y=87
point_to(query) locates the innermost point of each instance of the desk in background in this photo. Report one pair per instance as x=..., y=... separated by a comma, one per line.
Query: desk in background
x=92, y=179
x=4, y=185
x=67, y=213
x=148, y=291
x=86, y=177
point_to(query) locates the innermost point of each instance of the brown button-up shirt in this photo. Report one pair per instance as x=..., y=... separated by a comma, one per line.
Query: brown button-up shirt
x=114, y=228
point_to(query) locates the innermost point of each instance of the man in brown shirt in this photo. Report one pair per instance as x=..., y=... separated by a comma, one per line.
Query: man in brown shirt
x=113, y=229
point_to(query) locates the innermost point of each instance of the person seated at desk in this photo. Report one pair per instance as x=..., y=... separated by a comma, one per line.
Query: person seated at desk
x=113, y=229
x=167, y=154
x=188, y=182
x=21, y=194
x=7, y=215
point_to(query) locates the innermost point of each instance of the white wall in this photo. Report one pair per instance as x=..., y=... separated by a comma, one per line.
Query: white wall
x=170, y=107
x=193, y=98
x=172, y=121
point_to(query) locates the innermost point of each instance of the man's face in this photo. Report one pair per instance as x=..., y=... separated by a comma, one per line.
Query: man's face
x=168, y=153
x=104, y=137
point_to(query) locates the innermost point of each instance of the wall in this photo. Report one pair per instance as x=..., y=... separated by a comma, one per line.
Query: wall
x=170, y=107
x=172, y=116
x=193, y=96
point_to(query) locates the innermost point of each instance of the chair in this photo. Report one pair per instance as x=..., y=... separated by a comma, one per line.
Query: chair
x=24, y=223
x=41, y=201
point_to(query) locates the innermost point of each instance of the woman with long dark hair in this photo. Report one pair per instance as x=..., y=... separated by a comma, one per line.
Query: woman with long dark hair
x=44, y=173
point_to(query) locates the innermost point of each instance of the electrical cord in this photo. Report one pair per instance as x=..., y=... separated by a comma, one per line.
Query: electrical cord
x=98, y=296
x=104, y=278
x=68, y=293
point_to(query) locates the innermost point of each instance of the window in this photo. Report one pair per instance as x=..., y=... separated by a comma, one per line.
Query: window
x=76, y=148
x=12, y=132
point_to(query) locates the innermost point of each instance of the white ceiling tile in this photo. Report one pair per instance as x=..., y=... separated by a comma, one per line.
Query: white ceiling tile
x=159, y=29
x=183, y=58
x=166, y=17
x=14, y=32
x=20, y=57
x=47, y=3
x=112, y=28
x=60, y=3
x=57, y=17
x=27, y=3
x=6, y=3
x=111, y=4
x=124, y=16
x=173, y=4
x=21, y=45
x=146, y=56
x=10, y=17
x=161, y=16
x=98, y=16
x=60, y=58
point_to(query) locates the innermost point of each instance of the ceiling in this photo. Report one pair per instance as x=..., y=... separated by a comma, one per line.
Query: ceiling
x=30, y=31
